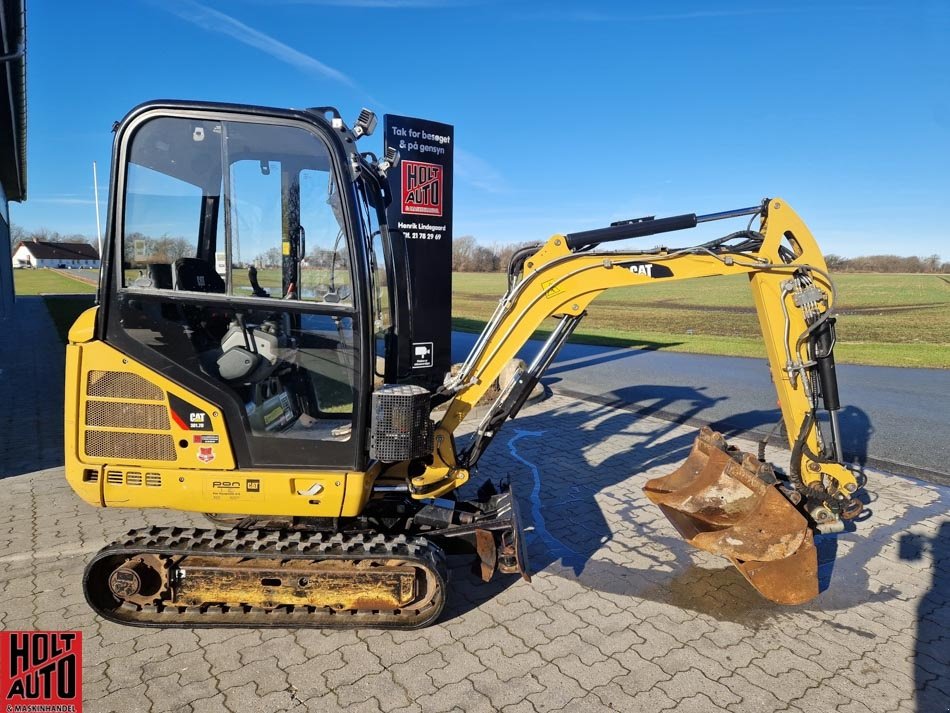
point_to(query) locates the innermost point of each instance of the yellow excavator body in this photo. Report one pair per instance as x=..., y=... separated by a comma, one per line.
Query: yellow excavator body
x=269, y=412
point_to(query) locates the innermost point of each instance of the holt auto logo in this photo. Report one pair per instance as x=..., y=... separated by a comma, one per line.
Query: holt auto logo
x=421, y=188
x=40, y=671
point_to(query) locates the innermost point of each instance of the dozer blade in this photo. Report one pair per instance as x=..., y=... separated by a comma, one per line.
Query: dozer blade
x=726, y=502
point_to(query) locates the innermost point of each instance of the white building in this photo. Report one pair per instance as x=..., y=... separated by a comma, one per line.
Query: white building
x=36, y=253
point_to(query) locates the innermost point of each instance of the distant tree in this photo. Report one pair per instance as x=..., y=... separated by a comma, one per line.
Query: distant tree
x=886, y=263
x=484, y=260
x=168, y=249
x=269, y=258
x=932, y=263
x=463, y=248
x=835, y=262
x=17, y=234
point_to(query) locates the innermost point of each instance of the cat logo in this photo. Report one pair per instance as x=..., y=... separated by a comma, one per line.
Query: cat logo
x=188, y=417
x=649, y=269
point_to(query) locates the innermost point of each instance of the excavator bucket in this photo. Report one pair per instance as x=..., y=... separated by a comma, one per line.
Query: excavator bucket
x=726, y=502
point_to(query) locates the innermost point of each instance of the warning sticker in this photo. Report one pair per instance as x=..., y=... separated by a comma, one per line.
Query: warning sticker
x=553, y=291
x=41, y=671
x=422, y=355
x=422, y=188
x=210, y=438
x=206, y=454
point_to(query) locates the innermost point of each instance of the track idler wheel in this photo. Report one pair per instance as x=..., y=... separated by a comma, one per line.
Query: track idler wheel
x=726, y=502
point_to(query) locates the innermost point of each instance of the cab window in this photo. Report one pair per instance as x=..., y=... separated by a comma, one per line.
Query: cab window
x=249, y=216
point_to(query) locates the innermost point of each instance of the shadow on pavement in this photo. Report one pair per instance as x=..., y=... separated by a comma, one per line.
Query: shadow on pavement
x=566, y=464
x=856, y=432
x=932, y=652
x=677, y=404
x=32, y=366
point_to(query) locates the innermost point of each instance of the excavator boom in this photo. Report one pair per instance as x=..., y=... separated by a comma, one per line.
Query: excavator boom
x=720, y=500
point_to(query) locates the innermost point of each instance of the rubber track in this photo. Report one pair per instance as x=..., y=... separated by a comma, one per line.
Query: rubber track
x=280, y=544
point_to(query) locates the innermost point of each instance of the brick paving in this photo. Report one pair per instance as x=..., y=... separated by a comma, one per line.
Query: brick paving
x=622, y=615
x=32, y=361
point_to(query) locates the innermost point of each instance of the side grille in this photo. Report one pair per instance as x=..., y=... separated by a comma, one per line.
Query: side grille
x=117, y=414
x=153, y=480
x=103, y=416
x=122, y=385
x=130, y=446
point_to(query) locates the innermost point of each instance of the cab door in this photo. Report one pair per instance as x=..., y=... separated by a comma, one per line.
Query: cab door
x=239, y=269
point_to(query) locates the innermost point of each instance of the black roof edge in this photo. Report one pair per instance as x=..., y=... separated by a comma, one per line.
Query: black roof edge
x=13, y=17
x=308, y=114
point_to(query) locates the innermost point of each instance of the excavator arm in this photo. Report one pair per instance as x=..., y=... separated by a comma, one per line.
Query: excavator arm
x=720, y=500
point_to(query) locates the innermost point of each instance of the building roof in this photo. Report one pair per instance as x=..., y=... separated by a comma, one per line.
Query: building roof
x=13, y=98
x=59, y=251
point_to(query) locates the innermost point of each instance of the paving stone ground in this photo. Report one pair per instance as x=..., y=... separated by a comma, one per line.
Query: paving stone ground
x=621, y=615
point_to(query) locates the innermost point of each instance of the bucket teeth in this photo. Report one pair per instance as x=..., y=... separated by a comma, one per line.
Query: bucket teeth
x=726, y=502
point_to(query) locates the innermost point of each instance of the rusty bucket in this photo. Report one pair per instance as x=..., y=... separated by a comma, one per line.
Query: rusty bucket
x=726, y=502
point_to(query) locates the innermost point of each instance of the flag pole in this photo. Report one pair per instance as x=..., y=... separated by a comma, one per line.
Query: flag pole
x=95, y=187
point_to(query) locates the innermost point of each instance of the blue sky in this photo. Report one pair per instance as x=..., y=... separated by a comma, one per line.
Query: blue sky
x=567, y=115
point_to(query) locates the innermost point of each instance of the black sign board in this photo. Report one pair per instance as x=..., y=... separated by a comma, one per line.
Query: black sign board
x=421, y=215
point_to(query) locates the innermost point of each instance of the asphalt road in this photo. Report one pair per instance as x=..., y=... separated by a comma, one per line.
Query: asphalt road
x=893, y=419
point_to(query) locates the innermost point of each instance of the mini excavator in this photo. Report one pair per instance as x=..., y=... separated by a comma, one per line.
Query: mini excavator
x=229, y=370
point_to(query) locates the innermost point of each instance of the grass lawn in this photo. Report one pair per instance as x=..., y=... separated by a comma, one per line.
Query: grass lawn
x=38, y=282
x=891, y=320
x=883, y=319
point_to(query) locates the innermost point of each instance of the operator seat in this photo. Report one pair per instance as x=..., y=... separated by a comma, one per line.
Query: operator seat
x=195, y=275
x=207, y=323
x=160, y=275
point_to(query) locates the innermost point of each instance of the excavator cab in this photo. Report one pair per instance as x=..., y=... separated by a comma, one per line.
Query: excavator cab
x=243, y=362
x=250, y=263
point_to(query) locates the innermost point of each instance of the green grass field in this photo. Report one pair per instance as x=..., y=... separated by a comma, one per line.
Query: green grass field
x=56, y=288
x=891, y=320
x=884, y=319
x=39, y=282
